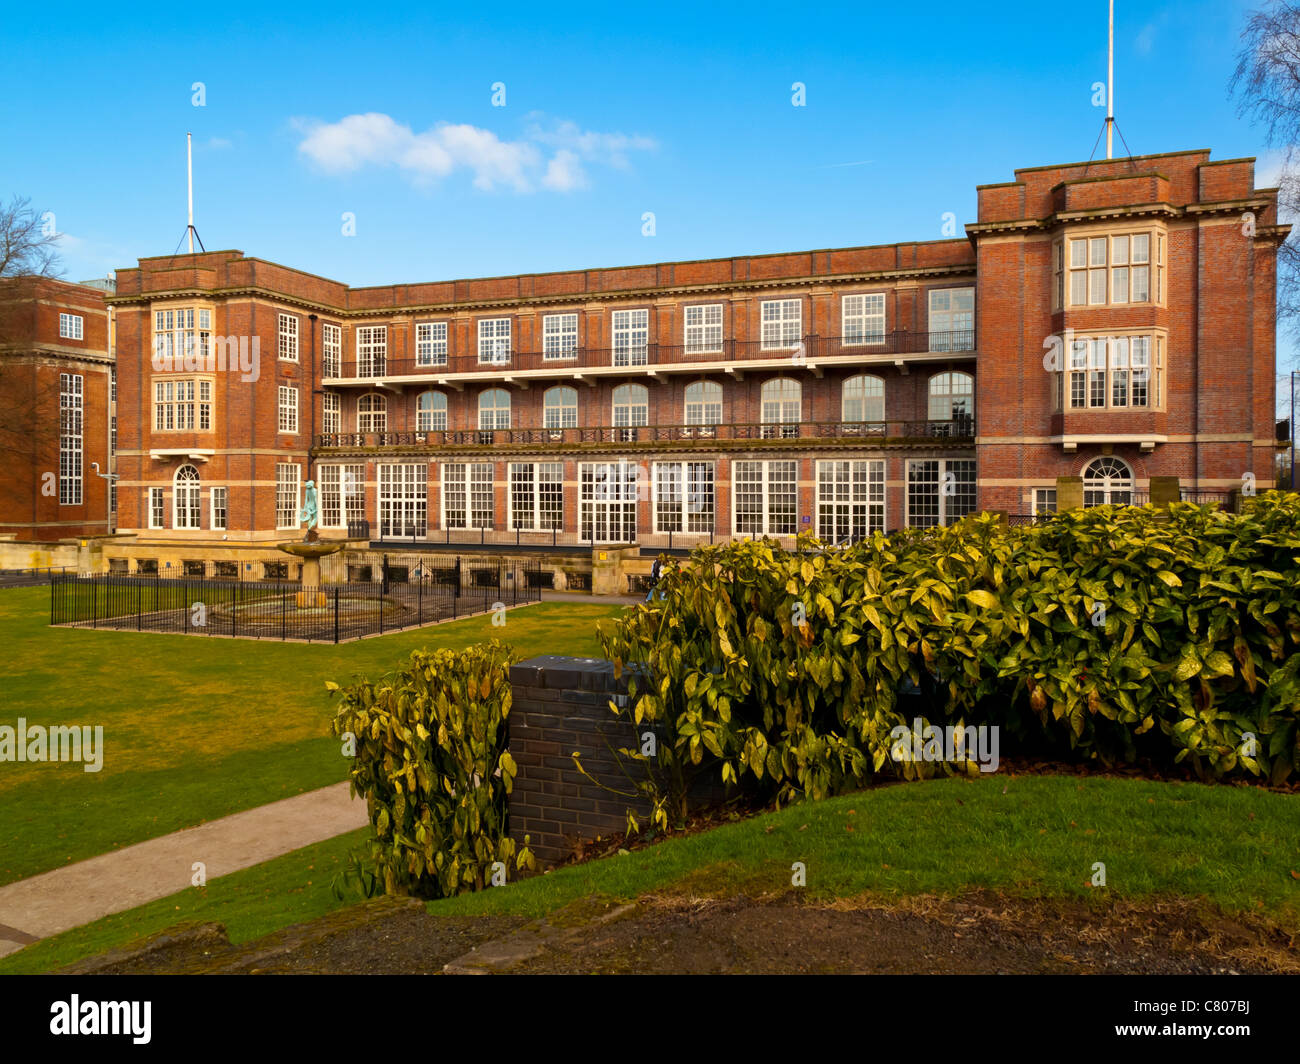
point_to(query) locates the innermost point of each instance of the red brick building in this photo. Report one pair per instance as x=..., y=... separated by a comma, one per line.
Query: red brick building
x=1111, y=320
x=56, y=418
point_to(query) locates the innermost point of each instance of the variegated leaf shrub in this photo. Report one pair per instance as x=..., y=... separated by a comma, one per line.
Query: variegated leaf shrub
x=1107, y=633
x=432, y=764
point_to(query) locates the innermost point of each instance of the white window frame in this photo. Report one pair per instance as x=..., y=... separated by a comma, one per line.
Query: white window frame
x=946, y=512
x=331, y=412
x=331, y=343
x=187, y=500
x=567, y=412
x=1043, y=501
x=702, y=328
x=1113, y=490
x=372, y=350
x=376, y=419
x=402, y=500
x=71, y=326
x=705, y=404
x=182, y=404
x=466, y=481
x=288, y=476
x=608, y=501
x=871, y=385
x=529, y=487
x=781, y=415
x=780, y=324
x=287, y=337
x=494, y=339
x=431, y=343
x=287, y=410
x=559, y=337
x=685, y=497
x=773, y=522
x=862, y=319
x=157, y=504
x=431, y=423
x=630, y=337
x=71, y=443
x=850, y=499
x=219, y=508
x=342, y=493
x=1097, y=365
x=951, y=328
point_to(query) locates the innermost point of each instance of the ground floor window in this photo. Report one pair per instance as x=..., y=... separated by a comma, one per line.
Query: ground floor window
x=683, y=496
x=220, y=508
x=288, y=481
x=537, y=496
x=850, y=499
x=939, y=490
x=467, y=496
x=1044, y=500
x=342, y=494
x=156, y=508
x=1107, y=480
x=765, y=498
x=403, y=500
x=607, y=501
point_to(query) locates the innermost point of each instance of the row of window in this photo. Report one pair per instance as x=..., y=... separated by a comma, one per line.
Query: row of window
x=1115, y=372
x=850, y=497
x=71, y=413
x=862, y=399
x=862, y=322
x=1111, y=270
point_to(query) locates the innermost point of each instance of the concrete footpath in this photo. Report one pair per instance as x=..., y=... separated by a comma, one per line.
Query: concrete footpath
x=44, y=905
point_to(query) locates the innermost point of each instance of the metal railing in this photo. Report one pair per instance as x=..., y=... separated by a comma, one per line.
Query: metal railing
x=635, y=356
x=395, y=597
x=960, y=429
x=30, y=577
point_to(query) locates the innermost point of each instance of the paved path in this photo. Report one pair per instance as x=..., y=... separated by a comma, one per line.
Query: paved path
x=68, y=897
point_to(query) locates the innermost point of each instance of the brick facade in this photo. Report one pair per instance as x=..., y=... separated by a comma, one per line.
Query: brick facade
x=43, y=498
x=1189, y=239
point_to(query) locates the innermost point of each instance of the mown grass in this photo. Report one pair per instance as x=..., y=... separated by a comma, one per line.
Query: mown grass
x=1033, y=836
x=196, y=728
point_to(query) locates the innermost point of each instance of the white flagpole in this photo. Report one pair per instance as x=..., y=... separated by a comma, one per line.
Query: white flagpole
x=1110, y=82
x=189, y=167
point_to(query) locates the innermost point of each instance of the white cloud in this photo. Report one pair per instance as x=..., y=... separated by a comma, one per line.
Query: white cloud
x=376, y=139
x=564, y=172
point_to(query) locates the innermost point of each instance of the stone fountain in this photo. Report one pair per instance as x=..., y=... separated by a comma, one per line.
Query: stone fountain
x=311, y=549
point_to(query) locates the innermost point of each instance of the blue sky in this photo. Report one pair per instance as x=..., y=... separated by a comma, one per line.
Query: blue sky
x=318, y=110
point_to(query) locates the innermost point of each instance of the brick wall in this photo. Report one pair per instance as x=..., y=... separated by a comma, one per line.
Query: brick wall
x=560, y=705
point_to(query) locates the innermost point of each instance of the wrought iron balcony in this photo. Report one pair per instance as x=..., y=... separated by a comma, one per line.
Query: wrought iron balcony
x=958, y=430
x=647, y=357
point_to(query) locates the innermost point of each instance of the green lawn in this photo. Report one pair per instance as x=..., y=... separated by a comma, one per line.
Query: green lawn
x=1233, y=847
x=195, y=728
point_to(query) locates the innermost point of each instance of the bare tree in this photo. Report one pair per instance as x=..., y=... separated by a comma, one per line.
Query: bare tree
x=1267, y=81
x=28, y=246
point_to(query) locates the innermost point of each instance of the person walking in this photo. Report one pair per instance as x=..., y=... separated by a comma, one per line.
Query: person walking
x=656, y=574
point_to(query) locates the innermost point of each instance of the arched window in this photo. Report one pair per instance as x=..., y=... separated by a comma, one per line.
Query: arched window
x=431, y=412
x=372, y=413
x=1107, y=480
x=952, y=396
x=560, y=408
x=185, y=498
x=782, y=404
x=863, y=399
x=704, y=403
x=631, y=408
x=494, y=409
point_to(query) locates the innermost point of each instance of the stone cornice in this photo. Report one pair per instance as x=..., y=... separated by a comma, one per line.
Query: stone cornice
x=572, y=298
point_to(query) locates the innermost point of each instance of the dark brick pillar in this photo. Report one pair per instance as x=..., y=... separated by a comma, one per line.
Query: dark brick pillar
x=560, y=705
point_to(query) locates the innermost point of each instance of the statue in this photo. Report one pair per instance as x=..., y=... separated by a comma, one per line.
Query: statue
x=310, y=511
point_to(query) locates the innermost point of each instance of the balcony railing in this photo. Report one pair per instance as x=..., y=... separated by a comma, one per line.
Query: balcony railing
x=961, y=429
x=648, y=356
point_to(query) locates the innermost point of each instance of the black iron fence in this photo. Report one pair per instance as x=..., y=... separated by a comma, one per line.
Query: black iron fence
x=392, y=598
x=31, y=577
